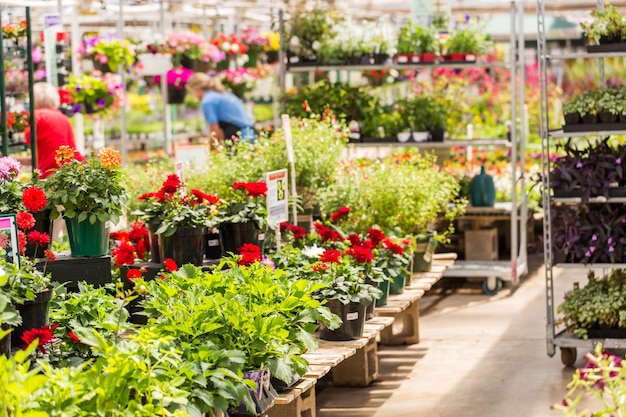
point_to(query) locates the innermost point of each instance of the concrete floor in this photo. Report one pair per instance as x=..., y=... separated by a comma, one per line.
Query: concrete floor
x=479, y=356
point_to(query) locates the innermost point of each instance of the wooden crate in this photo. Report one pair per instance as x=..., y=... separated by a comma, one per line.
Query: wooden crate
x=481, y=245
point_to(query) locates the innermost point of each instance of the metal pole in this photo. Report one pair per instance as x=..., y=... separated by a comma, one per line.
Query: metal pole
x=545, y=172
x=60, y=9
x=167, y=115
x=31, y=95
x=3, y=103
x=513, y=58
x=79, y=119
x=281, y=59
x=523, y=138
x=122, y=72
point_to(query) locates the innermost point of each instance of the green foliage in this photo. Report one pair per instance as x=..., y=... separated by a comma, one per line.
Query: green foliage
x=407, y=193
x=18, y=384
x=606, y=23
x=308, y=28
x=468, y=39
x=22, y=283
x=602, y=302
x=97, y=188
x=8, y=313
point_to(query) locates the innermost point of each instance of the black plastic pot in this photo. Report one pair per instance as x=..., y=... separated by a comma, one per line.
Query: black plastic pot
x=590, y=118
x=185, y=246
x=437, y=135
x=233, y=235
x=607, y=117
x=353, y=317
x=212, y=246
x=572, y=118
x=34, y=314
x=155, y=246
x=176, y=95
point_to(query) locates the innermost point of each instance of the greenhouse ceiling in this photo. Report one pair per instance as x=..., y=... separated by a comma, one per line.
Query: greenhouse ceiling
x=93, y=13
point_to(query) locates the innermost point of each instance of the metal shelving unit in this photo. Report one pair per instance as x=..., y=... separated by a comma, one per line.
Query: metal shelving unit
x=565, y=341
x=495, y=272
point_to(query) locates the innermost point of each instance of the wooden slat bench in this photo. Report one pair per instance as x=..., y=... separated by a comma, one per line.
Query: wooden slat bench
x=404, y=308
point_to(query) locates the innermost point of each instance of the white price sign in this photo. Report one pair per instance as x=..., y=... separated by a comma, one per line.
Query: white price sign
x=277, y=193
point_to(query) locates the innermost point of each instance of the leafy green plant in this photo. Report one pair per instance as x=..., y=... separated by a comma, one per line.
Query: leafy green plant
x=607, y=23
x=468, y=39
x=22, y=283
x=427, y=40
x=609, y=101
x=601, y=302
x=8, y=313
x=10, y=186
x=18, y=383
x=308, y=29
x=97, y=189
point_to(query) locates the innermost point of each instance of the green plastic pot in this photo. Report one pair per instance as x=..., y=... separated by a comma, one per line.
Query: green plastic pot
x=384, y=287
x=397, y=286
x=87, y=239
x=423, y=255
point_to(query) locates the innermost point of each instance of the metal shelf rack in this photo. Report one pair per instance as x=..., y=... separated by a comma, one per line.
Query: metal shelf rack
x=495, y=272
x=566, y=342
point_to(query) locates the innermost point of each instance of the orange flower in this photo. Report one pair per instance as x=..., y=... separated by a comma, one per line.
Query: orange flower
x=64, y=155
x=110, y=158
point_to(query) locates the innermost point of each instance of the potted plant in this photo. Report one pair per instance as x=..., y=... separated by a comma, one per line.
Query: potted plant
x=97, y=198
x=609, y=105
x=255, y=44
x=589, y=107
x=606, y=27
x=243, y=217
x=572, y=109
x=593, y=310
x=272, y=46
x=239, y=81
x=436, y=118
x=155, y=58
x=110, y=53
x=306, y=32
x=93, y=94
x=428, y=44
x=182, y=219
x=407, y=44
x=466, y=42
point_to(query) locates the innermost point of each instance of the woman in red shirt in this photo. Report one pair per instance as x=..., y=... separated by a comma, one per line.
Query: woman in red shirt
x=53, y=128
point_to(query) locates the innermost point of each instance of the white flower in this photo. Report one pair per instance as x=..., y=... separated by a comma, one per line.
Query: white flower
x=316, y=45
x=235, y=47
x=313, y=251
x=226, y=46
x=294, y=42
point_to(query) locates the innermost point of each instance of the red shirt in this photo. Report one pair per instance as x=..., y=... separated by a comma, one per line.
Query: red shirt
x=53, y=131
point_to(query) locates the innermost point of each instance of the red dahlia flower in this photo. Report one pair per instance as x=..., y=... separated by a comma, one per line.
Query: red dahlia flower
x=253, y=189
x=34, y=199
x=361, y=254
x=331, y=256
x=38, y=238
x=170, y=265
x=43, y=334
x=25, y=220
x=132, y=275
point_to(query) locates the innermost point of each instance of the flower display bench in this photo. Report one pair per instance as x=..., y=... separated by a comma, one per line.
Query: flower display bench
x=72, y=269
x=404, y=308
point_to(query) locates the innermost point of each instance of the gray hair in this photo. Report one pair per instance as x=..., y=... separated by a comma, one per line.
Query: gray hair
x=46, y=96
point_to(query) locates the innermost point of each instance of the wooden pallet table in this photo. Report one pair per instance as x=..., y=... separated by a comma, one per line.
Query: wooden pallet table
x=404, y=308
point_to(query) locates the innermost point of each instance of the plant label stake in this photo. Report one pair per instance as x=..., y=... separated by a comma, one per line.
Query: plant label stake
x=277, y=199
x=291, y=159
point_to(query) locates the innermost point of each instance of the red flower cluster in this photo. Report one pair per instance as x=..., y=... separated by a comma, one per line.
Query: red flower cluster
x=361, y=254
x=202, y=197
x=133, y=274
x=298, y=232
x=34, y=199
x=44, y=335
x=170, y=265
x=332, y=256
x=50, y=256
x=376, y=235
x=253, y=189
x=393, y=247
x=38, y=238
x=133, y=244
x=171, y=184
x=327, y=234
x=339, y=214
x=249, y=254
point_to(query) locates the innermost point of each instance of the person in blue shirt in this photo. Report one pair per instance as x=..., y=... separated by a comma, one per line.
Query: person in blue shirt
x=225, y=114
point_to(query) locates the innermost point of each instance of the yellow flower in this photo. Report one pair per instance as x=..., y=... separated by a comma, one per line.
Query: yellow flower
x=273, y=40
x=110, y=158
